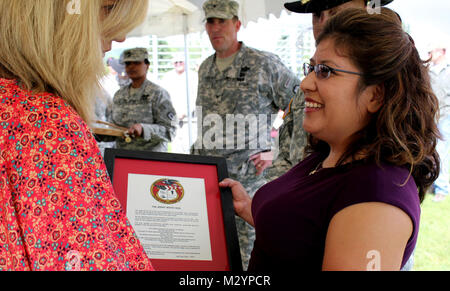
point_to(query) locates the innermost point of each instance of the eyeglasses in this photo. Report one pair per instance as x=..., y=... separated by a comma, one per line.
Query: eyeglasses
x=323, y=71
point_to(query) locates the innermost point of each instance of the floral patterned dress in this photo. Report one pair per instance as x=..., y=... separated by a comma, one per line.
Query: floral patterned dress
x=58, y=210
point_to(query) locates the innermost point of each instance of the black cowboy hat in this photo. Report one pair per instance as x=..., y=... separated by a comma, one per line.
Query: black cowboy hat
x=312, y=6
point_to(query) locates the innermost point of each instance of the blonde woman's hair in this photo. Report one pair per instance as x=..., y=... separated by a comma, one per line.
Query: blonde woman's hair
x=50, y=48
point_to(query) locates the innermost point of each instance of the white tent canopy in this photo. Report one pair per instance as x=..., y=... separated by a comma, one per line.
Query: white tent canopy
x=174, y=17
x=170, y=17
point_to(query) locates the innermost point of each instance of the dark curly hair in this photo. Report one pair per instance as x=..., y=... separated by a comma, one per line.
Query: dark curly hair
x=404, y=131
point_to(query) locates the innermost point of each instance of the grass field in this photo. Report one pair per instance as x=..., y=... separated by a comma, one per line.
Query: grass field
x=433, y=245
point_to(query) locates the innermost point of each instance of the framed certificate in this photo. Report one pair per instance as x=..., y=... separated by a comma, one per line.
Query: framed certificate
x=183, y=219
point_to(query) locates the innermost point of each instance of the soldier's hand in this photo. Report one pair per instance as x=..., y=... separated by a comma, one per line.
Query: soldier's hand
x=136, y=130
x=241, y=200
x=262, y=161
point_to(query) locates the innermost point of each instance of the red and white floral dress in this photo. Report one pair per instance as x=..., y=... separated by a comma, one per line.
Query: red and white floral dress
x=58, y=210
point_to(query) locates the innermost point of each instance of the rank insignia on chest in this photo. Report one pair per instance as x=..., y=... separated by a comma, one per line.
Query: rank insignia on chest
x=243, y=73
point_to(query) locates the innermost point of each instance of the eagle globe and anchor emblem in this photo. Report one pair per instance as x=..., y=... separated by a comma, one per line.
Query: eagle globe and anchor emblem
x=167, y=191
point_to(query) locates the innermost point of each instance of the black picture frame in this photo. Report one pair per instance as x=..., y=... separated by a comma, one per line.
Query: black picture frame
x=229, y=223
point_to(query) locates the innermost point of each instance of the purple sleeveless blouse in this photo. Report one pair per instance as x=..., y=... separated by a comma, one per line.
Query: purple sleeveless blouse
x=292, y=213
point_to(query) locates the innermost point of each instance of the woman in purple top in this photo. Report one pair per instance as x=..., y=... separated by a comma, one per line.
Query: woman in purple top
x=354, y=202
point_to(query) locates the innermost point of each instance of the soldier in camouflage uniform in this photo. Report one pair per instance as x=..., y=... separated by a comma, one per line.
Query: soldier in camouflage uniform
x=292, y=139
x=239, y=84
x=143, y=107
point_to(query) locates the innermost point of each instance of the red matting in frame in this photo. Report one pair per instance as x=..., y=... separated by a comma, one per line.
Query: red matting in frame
x=220, y=261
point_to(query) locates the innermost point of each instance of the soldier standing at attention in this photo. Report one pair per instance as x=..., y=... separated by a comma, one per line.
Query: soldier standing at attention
x=143, y=107
x=239, y=83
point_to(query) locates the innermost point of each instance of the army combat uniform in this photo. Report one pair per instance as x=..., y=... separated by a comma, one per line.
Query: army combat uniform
x=258, y=85
x=149, y=106
x=292, y=139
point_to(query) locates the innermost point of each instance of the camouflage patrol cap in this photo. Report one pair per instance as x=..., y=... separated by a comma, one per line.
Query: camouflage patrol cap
x=223, y=9
x=134, y=55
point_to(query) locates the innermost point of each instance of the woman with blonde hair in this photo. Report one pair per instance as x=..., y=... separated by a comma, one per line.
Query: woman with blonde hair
x=58, y=210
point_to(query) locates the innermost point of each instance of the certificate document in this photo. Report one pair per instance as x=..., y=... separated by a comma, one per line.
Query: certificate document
x=170, y=217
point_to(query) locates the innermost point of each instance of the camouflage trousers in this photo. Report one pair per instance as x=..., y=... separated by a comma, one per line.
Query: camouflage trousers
x=246, y=232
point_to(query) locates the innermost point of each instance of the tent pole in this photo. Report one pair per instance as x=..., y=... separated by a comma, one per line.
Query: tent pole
x=186, y=58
